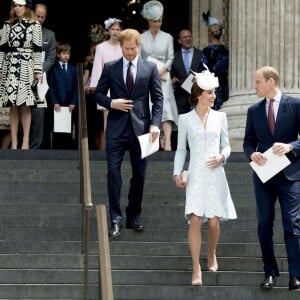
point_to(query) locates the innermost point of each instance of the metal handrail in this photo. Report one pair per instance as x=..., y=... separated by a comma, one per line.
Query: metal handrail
x=85, y=177
x=105, y=284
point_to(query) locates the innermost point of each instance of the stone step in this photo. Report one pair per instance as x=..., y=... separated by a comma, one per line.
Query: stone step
x=135, y=247
x=136, y=277
x=150, y=235
x=149, y=222
x=127, y=262
x=73, y=210
x=144, y=292
x=163, y=187
x=54, y=197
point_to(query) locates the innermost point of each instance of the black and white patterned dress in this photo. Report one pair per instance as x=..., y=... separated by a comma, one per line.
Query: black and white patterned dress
x=20, y=59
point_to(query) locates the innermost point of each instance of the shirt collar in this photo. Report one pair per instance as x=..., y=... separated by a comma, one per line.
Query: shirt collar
x=134, y=61
x=188, y=50
x=276, y=98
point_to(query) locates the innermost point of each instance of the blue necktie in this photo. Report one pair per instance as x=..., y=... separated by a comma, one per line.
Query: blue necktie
x=186, y=61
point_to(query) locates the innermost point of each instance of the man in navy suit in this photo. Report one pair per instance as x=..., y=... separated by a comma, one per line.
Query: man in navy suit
x=286, y=184
x=129, y=116
x=179, y=72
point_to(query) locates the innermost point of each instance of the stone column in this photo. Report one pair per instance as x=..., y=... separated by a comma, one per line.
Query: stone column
x=261, y=32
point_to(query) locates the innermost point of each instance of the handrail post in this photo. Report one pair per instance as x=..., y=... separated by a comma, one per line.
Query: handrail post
x=105, y=285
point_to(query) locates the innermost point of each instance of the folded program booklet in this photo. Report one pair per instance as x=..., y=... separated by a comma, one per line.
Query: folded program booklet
x=147, y=147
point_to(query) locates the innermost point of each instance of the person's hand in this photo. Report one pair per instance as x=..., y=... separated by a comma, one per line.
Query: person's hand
x=281, y=148
x=179, y=183
x=92, y=90
x=57, y=107
x=154, y=133
x=122, y=104
x=39, y=77
x=214, y=161
x=71, y=107
x=258, y=158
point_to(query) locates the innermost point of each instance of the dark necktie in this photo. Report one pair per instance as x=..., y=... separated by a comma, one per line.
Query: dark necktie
x=271, y=116
x=64, y=67
x=129, y=78
x=186, y=61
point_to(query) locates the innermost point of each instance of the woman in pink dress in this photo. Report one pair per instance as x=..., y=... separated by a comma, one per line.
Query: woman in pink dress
x=105, y=52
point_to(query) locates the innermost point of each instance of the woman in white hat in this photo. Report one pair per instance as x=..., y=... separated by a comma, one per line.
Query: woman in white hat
x=208, y=198
x=20, y=66
x=158, y=44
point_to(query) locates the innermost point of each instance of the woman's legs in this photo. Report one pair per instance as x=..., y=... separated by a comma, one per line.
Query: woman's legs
x=167, y=129
x=213, y=238
x=26, y=120
x=14, y=126
x=195, y=247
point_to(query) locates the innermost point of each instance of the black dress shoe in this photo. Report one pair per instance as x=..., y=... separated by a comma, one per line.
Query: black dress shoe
x=294, y=283
x=135, y=225
x=115, y=230
x=268, y=283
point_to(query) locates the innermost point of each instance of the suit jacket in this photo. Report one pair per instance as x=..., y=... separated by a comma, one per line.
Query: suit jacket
x=258, y=136
x=147, y=82
x=63, y=86
x=49, y=47
x=178, y=70
x=49, y=50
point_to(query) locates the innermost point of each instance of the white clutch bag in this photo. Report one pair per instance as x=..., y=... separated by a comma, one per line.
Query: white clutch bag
x=184, y=176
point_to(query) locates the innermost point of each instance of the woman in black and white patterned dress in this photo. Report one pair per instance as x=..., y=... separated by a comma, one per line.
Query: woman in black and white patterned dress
x=20, y=66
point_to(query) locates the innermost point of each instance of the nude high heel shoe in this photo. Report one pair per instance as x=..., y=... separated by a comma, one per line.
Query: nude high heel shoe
x=212, y=263
x=197, y=277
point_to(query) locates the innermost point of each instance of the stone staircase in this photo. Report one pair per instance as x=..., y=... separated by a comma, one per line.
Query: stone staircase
x=41, y=234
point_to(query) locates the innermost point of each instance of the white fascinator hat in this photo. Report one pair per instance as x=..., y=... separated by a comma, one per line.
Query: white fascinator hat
x=206, y=80
x=111, y=21
x=152, y=10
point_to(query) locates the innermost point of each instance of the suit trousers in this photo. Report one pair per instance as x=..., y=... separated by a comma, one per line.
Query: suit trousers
x=115, y=151
x=37, y=127
x=288, y=194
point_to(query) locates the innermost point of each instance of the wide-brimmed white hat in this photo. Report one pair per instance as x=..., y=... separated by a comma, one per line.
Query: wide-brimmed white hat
x=206, y=80
x=152, y=10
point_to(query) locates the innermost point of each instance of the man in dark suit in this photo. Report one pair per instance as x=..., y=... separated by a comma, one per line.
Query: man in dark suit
x=49, y=52
x=284, y=139
x=129, y=116
x=179, y=71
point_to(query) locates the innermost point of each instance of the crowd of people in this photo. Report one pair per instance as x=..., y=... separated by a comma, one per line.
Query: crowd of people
x=27, y=122
x=134, y=86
